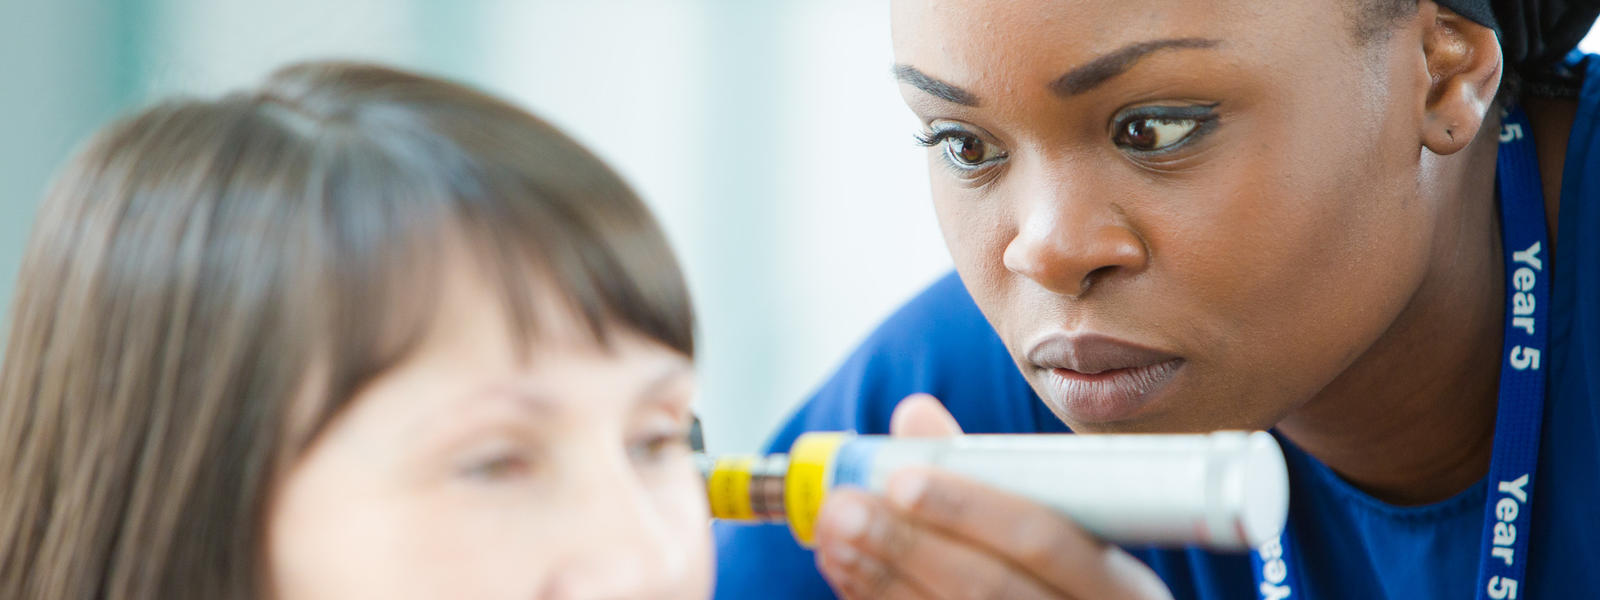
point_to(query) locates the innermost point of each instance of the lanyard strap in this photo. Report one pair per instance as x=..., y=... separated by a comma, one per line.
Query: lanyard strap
x=1504, y=558
x=1507, y=513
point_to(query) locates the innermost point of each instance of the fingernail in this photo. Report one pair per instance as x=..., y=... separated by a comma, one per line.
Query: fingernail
x=846, y=516
x=906, y=488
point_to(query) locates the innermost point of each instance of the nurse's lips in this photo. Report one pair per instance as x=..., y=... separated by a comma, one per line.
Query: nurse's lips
x=1095, y=379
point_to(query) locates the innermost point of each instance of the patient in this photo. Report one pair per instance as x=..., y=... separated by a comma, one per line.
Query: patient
x=357, y=333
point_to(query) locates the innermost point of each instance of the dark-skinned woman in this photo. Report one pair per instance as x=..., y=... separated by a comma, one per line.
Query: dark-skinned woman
x=1369, y=226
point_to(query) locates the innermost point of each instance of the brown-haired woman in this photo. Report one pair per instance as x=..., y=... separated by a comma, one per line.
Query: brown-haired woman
x=356, y=333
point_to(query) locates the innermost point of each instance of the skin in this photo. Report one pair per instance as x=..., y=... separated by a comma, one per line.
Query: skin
x=481, y=469
x=1316, y=239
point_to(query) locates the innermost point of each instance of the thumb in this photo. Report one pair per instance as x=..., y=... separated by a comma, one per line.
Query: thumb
x=921, y=415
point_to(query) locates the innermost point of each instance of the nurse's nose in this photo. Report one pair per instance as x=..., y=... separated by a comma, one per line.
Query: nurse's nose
x=1066, y=241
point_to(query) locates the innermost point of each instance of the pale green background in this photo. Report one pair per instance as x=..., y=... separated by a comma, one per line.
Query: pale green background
x=768, y=136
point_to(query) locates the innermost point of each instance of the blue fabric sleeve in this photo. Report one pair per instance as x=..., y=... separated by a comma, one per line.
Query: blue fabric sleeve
x=1576, y=311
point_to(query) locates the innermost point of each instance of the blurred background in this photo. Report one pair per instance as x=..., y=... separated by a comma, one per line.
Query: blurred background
x=743, y=123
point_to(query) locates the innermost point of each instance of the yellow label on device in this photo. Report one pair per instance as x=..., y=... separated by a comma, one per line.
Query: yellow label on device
x=805, y=486
x=728, y=488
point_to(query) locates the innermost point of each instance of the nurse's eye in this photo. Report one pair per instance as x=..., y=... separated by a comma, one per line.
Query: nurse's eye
x=1160, y=129
x=1147, y=135
x=961, y=149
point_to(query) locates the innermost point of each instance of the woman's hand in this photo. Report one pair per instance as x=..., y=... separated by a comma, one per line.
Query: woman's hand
x=937, y=535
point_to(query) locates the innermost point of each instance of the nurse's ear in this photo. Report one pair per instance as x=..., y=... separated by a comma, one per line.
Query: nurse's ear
x=1464, y=69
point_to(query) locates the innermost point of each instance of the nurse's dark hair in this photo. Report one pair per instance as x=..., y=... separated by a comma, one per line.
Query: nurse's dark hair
x=209, y=281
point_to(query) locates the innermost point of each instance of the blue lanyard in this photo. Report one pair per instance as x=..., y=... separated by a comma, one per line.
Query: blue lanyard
x=1507, y=513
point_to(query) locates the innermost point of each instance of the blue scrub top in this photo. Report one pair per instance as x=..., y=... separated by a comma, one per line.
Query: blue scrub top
x=1350, y=545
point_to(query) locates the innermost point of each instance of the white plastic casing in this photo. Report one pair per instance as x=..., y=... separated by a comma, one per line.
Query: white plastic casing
x=1225, y=490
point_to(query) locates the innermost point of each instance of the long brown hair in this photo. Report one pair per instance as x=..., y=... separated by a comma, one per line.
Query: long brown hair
x=205, y=265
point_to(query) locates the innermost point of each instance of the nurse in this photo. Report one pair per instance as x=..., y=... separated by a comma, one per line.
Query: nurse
x=1367, y=225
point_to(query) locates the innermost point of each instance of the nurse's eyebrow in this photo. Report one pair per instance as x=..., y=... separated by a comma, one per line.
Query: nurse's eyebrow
x=1077, y=81
x=934, y=87
x=1102, y=69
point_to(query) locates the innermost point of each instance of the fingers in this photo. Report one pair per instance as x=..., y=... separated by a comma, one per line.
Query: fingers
x=867, y=550
x=1040, y=542
x=945, y=537
x=920, y=415
x=861, y=577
